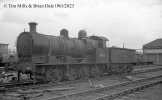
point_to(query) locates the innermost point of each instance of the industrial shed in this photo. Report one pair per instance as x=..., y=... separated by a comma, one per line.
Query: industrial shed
x=3, y=48
x=3, y=52
x=153, y=51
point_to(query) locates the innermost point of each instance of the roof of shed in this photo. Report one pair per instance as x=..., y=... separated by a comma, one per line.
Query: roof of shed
x=156, y=44
x=3, y=44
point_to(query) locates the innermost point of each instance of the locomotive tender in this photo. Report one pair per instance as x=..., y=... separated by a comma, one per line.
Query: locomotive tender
x=60, y=57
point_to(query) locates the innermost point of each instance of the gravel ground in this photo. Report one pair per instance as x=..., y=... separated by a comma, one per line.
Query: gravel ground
x=152, y=93
x=85, y=85
x=78, y=87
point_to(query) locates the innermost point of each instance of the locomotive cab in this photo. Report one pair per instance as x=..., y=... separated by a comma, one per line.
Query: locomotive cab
x=102, y=41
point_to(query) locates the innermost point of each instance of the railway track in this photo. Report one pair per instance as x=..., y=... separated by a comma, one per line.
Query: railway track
x=109, y=92
x=36, y=84
x=142, y=66
x=79, y=87
x=147, y=70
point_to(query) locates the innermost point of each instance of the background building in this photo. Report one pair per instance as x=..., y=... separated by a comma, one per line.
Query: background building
x=3, y=53
x=3, y=49
x=153, y=51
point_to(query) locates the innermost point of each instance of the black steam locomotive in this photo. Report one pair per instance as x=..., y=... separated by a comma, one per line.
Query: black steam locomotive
x=54, y=58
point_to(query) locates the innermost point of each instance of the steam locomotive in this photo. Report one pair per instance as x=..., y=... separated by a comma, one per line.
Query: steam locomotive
x=55, y=58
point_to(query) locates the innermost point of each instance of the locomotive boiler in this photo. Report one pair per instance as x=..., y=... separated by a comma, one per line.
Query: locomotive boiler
x=54, y=58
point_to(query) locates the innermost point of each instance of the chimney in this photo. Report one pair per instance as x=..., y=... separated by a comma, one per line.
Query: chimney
x=32, y=26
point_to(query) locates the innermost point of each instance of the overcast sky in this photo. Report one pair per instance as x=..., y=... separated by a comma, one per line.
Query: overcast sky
x=130, y=22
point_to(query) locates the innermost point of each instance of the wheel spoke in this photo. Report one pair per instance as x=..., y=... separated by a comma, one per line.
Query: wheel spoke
x=95, y=71
x=84, y=72
x=129, y=69
x=71, y=73
x=54, y=74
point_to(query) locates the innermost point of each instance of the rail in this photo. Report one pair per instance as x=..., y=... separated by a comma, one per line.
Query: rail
x=11, y=85
x=99, y=90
